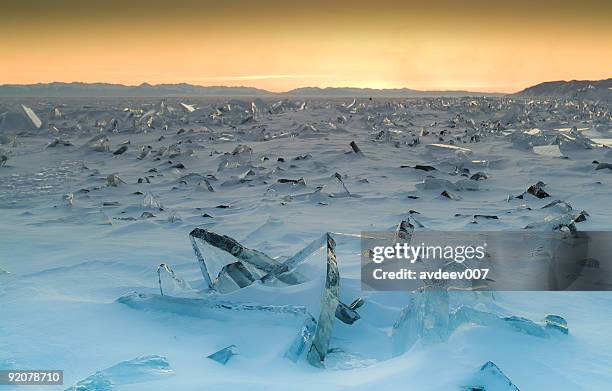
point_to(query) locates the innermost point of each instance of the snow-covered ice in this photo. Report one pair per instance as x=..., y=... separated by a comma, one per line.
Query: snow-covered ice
x=98, y=274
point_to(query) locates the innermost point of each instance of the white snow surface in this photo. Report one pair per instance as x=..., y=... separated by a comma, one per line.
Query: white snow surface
x=62, y=266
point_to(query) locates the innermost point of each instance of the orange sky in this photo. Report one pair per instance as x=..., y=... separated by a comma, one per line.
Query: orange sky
x=280, y=45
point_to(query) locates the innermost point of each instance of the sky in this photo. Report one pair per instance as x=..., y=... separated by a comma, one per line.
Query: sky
x=492, y=46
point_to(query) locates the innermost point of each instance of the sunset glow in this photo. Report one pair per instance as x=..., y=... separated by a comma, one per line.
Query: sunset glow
x=283, y=45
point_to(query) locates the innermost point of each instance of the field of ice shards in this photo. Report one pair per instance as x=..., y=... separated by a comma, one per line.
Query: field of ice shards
x=150, y=244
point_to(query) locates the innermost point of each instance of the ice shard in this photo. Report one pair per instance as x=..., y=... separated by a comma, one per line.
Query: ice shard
x=56, y=113
x=215, y=261
x=176, y=283
x=525, y=326
x=292, y=181
x=69, y=198
x=201, y=307
x=224, y=355
x=490, y=378
x=554, y=223
x=98, y=143
x=114, y=180
x=404, y=231
x=468, y=315
x=450, y=196
x=32, y=116
x=426, y=318
x=120, y=150
x=447, y=149
x=151, y=202
x=286, y=270
x=406, y=330
x=206, y=183
x=58, y=142
x=303, y=339
x=338, y=176
x=423, y=167
x=187, y=108
x=429, y=318
x=329, y=302
x=137, y=370
x=347, y=313
x=355, y=148
x=536, y=190
x=479, y=176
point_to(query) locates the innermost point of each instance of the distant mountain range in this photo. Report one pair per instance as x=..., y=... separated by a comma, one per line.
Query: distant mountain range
x=378, y=93
x=77, y=89
x=580, y=89
x=596, y=90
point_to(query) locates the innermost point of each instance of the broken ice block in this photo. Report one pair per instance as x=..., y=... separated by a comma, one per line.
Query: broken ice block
x=556, y=322
x=525, y=326
x=601, y=166
x=468, y=315
x=547, y=150
x=426, y=317
x=554, y=223
x=98, y=143
x=223, y=355
x=432, y=183
x=137, y=370
x=405, y=330
x=242, y=149
x=346, y=314
x=227, y=266
x=538, y=190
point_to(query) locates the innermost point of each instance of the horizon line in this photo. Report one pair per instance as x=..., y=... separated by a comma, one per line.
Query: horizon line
x=145, y=83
